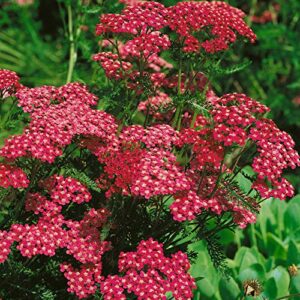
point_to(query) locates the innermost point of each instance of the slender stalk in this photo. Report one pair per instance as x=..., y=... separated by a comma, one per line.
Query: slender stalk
x=202, y=97
x=289, y=296
x=72, y=53
x=252, y=11
x=7, y=116
x=177, y=117
x=218, y=180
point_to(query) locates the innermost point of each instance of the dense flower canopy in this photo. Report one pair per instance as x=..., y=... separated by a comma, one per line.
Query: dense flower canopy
x=169, y=150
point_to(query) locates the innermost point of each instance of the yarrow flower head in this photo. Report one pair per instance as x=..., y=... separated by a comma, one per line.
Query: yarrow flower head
x=232, y=115
x=132, y=169
x=53, y=231
x=134, y=19
x=276, y=153
x=57, y=116
x=12, y=176
x=9, y=83
x=148, y=274
x=217, y=20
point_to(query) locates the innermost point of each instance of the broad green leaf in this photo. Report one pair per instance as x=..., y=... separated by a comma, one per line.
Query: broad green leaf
x=229, y=289
x=270, y=289
x=291, y=216
x=295, y=284
x=203, y=266
x=207, y=289
x=244, y=258
x=256, y=271
x=282, y=279
x=260, y=258
x=265, y=218
x=226, y=237
x=292, y=254
x=275, y=247
x=269, y=264
x=278, y=209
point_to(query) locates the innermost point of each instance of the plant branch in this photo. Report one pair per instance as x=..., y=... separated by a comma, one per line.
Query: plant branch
x=72, y=53
x=289, y=296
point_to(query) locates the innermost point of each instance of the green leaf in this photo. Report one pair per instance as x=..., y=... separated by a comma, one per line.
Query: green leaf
x=291, y=216
x=83, y=178
x=266, y=219
x=203, y=267
x=255, y=271
x=295, y=284
x=226, y=237
x=217, y=69
x=244, y=258
x=275, y=247
x=260, y=258
x=269, y=264
x=207, y=288
x=292, y=254
x=229, y=289
x=245, y=178
x=270, y=289
x=282, y=280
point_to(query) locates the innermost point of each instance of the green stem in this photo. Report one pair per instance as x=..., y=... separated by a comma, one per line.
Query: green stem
x=289, y=296
x=177, y=117
x=73, y=54
x=218, y=180
x=202, y=98
x=8, y=115
x=179, y=76
x=252, y=11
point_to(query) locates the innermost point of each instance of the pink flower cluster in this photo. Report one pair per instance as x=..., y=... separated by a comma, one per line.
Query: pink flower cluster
x=81, y=239
x=139, y=23
x=113, y=67
x=185, y=18
x=146, y=44
x=12, y=176
x=57, y=116
x=6, y=240
x=236, y=119
x=66, y=190
x=142, y=164
x=148, y=274
x=188, y=205
x=9, y=83
x=217, y=19
x=276, y=153
x=134, y=19
x=203, y=195
x=82, y=281
x=232, y=115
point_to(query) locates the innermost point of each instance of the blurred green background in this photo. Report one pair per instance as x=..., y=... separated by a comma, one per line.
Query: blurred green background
x=34, y=43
